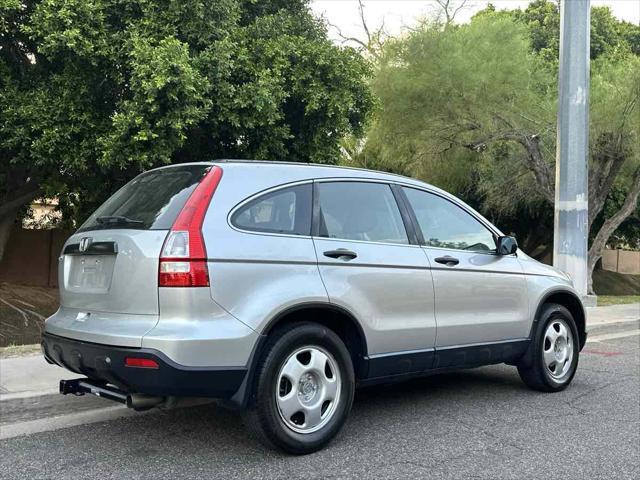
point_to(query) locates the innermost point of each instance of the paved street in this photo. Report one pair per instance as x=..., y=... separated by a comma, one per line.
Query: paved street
x=480, y=424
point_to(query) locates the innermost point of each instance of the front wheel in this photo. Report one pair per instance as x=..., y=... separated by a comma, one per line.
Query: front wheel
x=553, y=358
x=304, y=390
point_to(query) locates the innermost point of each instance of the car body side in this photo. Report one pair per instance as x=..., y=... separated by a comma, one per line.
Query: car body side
x=258, y=280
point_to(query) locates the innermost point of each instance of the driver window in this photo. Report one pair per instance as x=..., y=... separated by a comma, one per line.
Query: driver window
x=446, y=225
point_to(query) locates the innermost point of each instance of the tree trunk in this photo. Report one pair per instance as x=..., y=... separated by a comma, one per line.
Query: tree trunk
x=608, y=161
x=610, y=225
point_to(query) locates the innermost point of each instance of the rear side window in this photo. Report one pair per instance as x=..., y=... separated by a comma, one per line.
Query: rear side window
x=151, y=201
x=286, y=211
x=360, y=211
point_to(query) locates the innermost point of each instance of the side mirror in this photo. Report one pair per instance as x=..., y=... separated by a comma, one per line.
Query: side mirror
x=506, y=245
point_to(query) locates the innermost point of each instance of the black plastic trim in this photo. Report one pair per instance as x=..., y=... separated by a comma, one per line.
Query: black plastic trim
x=410, y=213
x=105, y=363
x=94, y=248
x=399, y=363
x=478, y=355
x=429, y=361
x=315, y=211
x=405, y=213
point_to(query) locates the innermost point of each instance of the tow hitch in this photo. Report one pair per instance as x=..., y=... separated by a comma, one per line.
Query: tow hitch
x=80, y=386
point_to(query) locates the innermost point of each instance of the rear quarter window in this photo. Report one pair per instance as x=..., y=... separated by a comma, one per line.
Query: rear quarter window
x=285, y=211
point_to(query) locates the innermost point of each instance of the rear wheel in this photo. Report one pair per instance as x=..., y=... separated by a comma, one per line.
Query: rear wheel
x=553, y=358
x=304, y=389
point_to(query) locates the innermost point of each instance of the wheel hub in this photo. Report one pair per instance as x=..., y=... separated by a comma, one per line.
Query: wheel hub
x=307, y=387
x=559, y=348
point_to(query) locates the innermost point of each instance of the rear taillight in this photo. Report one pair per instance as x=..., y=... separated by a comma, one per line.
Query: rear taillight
x=183, y=260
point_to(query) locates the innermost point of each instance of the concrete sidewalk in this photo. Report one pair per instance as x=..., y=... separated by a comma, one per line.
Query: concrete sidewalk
x=597, y=316
x=32, y=376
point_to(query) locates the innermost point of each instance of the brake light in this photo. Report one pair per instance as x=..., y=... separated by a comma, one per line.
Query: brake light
x=140, y=362
x=183, y=260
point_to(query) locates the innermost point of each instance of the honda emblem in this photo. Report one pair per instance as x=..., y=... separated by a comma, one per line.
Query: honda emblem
x=84, y=243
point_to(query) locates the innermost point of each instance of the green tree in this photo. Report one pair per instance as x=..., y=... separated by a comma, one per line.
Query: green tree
x=542, y=20
x=94, y=91
x=482, y=96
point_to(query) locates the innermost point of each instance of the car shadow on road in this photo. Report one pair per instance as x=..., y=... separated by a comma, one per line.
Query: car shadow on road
x=380, y=407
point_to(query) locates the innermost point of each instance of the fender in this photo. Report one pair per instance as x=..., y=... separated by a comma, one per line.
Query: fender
x=242, y=397
x=576, y=307
x=581, y=321
x=321, y=305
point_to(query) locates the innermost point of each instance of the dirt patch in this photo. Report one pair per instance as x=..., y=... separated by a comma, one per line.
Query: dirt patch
x=23, y=310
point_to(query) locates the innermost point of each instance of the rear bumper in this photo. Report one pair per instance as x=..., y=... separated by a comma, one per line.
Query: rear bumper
x=106, y=364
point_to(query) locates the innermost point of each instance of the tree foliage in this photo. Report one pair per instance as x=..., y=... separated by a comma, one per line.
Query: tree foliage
x=472, y=108
x=93, y=91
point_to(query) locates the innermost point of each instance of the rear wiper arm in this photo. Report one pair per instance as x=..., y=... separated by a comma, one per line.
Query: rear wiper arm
x=118, y=220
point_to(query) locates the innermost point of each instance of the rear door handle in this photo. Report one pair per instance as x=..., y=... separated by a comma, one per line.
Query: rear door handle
x=448, y=261
x=341, y=253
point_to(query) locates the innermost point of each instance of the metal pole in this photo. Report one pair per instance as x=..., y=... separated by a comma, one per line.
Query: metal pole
x=571, y=226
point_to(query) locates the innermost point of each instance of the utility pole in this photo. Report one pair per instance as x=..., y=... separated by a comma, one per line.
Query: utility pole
x=571, y=225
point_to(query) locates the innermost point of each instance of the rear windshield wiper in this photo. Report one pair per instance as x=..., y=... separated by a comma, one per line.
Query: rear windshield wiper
x=118, y=220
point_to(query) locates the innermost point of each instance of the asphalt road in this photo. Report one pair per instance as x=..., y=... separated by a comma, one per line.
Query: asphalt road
x=476, y=424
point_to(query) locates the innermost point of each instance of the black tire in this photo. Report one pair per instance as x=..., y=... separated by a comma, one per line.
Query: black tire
x=532, y=368
x=263, y=417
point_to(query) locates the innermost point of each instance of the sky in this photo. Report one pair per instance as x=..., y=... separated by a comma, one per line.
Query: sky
x=401, y=13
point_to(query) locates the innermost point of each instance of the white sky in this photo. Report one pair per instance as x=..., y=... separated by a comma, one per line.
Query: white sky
x=400, y=13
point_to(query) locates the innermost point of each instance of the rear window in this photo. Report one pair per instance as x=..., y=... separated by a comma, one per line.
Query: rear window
x=151, y=201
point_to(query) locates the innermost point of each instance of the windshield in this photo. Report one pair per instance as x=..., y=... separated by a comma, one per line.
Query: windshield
x=151, y=201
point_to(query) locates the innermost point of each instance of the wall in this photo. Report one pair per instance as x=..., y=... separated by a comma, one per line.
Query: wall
x=31, y=257
x=621, y=261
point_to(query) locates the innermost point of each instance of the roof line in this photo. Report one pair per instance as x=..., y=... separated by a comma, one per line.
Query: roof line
x=309, y=164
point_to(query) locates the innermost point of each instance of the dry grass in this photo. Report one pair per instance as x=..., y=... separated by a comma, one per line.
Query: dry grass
x=19, y=351
x=606, y=300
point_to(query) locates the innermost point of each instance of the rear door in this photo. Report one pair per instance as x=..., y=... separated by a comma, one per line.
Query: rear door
x=108, y=270
x=111, y=263
x=370, y=267
x=480, y=297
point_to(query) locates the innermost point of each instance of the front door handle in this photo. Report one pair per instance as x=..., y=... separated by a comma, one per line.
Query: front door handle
x=448, y=260
x=341, y=253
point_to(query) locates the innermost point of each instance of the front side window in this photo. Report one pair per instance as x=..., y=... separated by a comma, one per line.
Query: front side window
x=360, y=211
x=286, y=211
x=446, y=225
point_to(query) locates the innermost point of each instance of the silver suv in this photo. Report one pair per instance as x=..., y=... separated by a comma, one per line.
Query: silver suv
x=280, y=288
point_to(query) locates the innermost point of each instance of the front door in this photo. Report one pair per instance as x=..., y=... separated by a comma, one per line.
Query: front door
x=370, y=268
x=480, y=297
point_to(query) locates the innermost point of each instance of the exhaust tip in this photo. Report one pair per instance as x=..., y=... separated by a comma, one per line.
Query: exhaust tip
x=140, y=402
